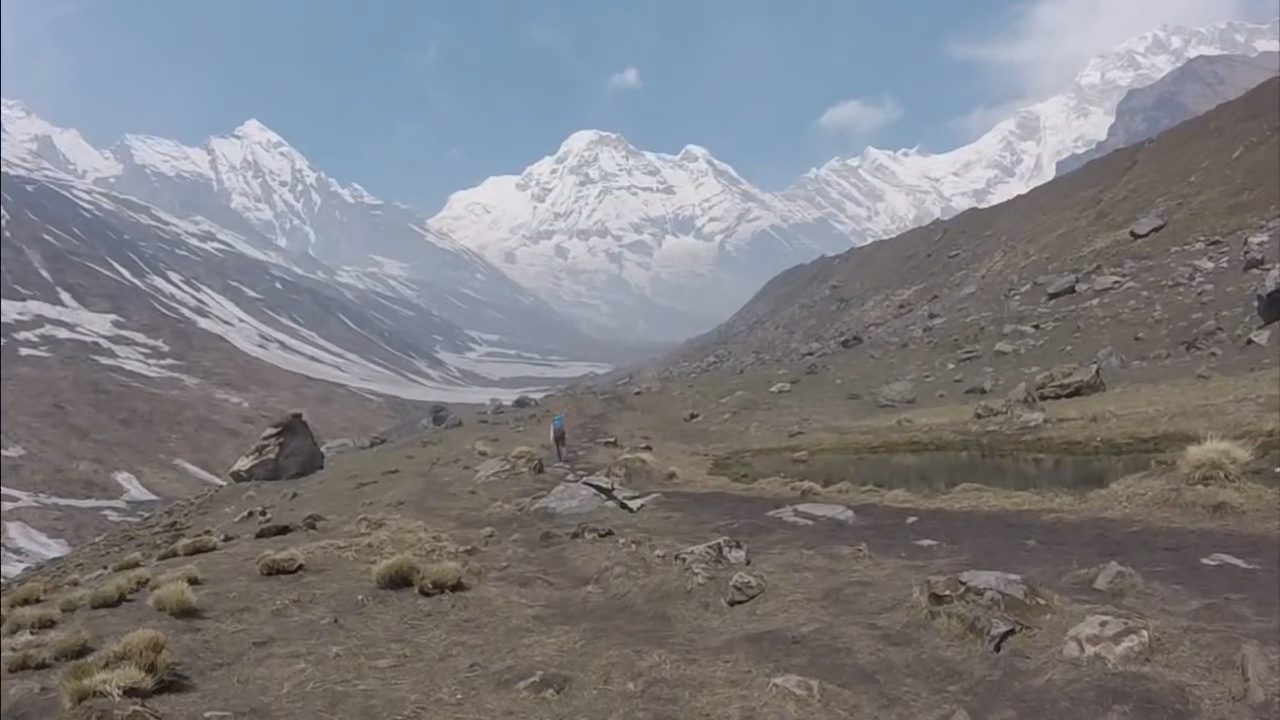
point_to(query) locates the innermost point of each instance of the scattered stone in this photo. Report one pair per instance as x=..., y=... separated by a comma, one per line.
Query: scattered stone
x=1254, y=253
x=743, y=588
x=311, y=521
x=799, y=686
x=800, y=456
x=1061, y=286
x=570, y=498
x=1103, y=283
x=782, y=387
x=721, y=552
x=985, y=387
x=1216, y=559
x=988, y=604
x=523, y=402
x=1069, y=381
x=809, y=513
x=338, y=446
x=609, y=441
x=545, y=684
x=691, y=415
x=1114, y=639
x=1004, y=348
x=1209, y=333
x=895, y=394
x=285, y=451
x=1147, y=226
x=439, y=416
x=587, y=531
x=1259, y=337
x=1267, y=300
x=272, y=530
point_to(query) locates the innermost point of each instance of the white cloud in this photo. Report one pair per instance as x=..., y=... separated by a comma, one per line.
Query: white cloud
x=1043, y=43
x=628, y=79
x=860, y=117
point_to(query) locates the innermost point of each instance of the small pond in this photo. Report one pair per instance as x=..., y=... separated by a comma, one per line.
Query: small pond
x=940, y=471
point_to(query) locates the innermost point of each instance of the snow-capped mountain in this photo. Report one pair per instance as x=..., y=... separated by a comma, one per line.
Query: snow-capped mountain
x=253, y=183
x=635, y=242
x=881, y=193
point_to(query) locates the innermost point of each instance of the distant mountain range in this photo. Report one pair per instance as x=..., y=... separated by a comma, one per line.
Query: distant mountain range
x=631, y=242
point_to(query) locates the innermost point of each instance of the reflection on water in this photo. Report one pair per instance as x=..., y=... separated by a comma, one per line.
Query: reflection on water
x=939, y=471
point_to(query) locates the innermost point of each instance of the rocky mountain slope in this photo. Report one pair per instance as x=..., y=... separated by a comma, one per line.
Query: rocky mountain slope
x=1201, y=84
x=632, y=242
x=1149, y=257
x=253, y=183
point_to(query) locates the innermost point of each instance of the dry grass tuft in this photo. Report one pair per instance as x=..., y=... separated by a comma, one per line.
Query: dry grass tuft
x=131, y=561
x=29, y=593
x=1214, y=462
x=73, y=601
x=175, y=599
x=186, y=547
x=137, y=665
x=189, y=574
x=397, y=573
x=440, y=577
x=38, y=651
x=286, y=562
x=30, y=618
x=134, y=580
x=112, y=594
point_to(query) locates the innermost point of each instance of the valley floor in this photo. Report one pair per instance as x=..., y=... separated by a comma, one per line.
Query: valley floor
x=599, y=615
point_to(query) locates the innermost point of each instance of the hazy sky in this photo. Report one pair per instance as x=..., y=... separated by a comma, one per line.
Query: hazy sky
x=416, y=99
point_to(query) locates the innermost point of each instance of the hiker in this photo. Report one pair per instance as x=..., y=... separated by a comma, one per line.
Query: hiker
x=557, y=435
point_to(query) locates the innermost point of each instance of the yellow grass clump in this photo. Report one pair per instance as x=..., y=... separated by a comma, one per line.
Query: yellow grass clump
x=129, y=562
x=137, y=665
x=74, y=601
x=1214, y=461
x=285, y=562
x=175, y=599
x=30, y=651
x=29, y=619
x=186, y=547
x=112, y=594
x=29, y=593
x=189, y=574
x=439, y=578
x=397, y=573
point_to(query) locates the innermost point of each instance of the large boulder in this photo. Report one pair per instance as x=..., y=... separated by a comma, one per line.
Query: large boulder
x=989, y=605
x=1268, y=298
x=286, y=450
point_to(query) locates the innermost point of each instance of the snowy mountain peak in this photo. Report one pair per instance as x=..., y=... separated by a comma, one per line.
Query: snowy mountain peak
x=254, y=131
x=1142, y=60
x=879, y=194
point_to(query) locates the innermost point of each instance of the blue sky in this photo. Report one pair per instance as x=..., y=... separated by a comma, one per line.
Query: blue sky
x=415, y=99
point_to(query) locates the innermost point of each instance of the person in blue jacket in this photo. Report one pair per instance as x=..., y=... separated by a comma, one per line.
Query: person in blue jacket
x=557, y=435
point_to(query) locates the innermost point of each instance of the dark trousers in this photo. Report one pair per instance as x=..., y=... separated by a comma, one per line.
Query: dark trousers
x=558, y=439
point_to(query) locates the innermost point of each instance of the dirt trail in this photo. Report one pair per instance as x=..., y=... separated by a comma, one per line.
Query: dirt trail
x=1016, y=542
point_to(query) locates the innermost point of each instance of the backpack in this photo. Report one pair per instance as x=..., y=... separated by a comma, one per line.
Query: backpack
x=557, y=422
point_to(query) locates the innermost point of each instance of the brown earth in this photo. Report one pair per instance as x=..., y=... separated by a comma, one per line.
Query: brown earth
x=617, y=630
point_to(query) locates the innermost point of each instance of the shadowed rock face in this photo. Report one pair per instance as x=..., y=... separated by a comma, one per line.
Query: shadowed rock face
x=287, y=450
x=1200, y=85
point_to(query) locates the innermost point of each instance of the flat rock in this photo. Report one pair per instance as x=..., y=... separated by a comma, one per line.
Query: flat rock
x=1114, y=639
x=809, y=513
